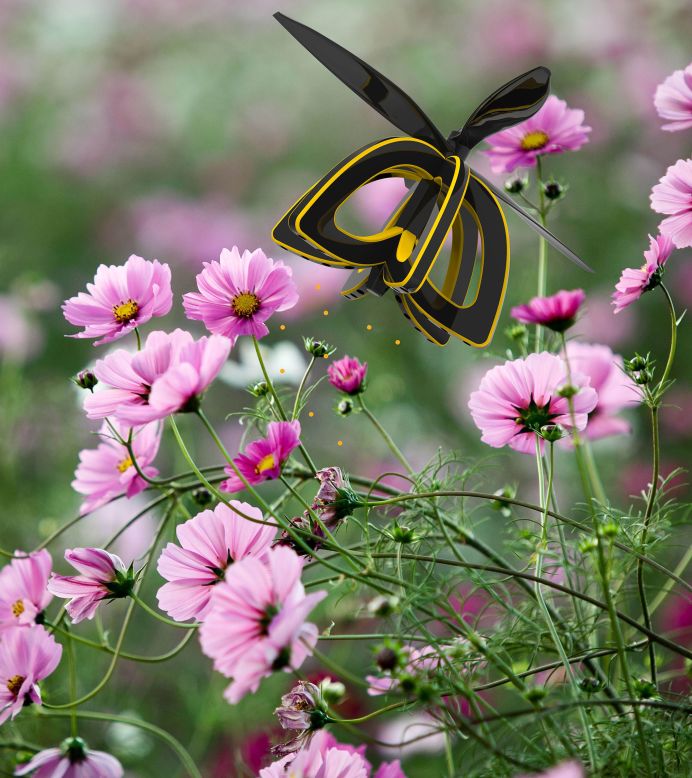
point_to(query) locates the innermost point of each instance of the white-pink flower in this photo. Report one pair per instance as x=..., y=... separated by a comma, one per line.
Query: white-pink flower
x=23, y=592
x=121, y=298
x=673, y=100
x=72, y=760
x=673, y=195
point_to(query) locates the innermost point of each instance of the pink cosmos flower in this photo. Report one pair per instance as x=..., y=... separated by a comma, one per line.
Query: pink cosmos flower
x=348, y=375
x=108, y=470
x=516, y=399
x=264, y=458
x=238, y=293
x=673, y=195
x=72, y=760
x=554, y=129
x=209, y=543
x=635, y=281
x=562, y=770
x=673, y=100
x=23, y=593
x=121, y=298
x=27, y=656
x=103, y=577
x=557, y=312
x=616, y=390
x=256, y=624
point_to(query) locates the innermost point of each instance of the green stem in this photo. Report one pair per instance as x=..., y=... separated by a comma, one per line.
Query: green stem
x=385, y=436
x=139, y=339
x=301, y=385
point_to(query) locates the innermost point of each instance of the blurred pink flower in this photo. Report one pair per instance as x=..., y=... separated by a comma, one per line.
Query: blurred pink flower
x=673, y=100
x=263, y=458
x=635, y=478
x=72, y=760
x=635, y=281
x=121, y=298
x=20, y=338
x=108, y=470
x=599, y=322
x=425, y=733
x=23, y=593
x=376, y=202
x=27, y=656
x=676, y=412
x=238, y=293
x=210, y=542
x=673, y=195
x=554, y=129
x=516, y=399
x=348, y=375
x=616, y=390
x=562, y=770
x=419, y=661
x=256, y=624
x=103, y=576
x=557, y=312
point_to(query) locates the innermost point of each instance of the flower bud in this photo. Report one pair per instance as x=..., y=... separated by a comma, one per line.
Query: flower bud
x=519, y=333
x=643, y=689
x=554, y=190
x=536, y=693
x=345, y=407
x=516, y=184
x=567, y=391
x=383, y=606
x=590, y=685
x=552, y=432
x=202, y=496
x=332, y=692
x=403, y=535
x=387, y=658
x=260, y=389
x=318, y=348
x=85, y=379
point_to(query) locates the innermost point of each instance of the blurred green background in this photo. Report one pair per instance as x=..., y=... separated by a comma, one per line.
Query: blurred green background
x=173, y=128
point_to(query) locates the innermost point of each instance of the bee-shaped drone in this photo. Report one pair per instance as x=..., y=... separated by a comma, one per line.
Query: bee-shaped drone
x=445, y=195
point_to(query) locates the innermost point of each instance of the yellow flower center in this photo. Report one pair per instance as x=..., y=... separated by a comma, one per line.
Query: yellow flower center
x=125, y=311
x=15, y=684
x=535, y=140
x=18, y=608
x=245, y=304
x=266, y=463
x=126, y=464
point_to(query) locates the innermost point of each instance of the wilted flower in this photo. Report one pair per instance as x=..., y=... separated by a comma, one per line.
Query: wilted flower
x=121, y=298
x=23, y=593
x=309, y=532
x=673, y=195
x=557, y=312
x=238, y=293
x=673, y=100
x=348, y=375
x=516, y=399
x=553, y=129
x=302, y=709
x=72, y=760
x=263, y=459
x=103, y=577
x=334, y=499
x=27, y=656
x=634, y=282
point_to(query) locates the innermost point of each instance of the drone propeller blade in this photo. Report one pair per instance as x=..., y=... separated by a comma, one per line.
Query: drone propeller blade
x=377, y=90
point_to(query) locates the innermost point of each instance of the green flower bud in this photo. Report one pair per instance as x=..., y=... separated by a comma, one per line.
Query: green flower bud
x=516, y=184
x=318, y=348
x=552, y=432
x=345, y=407
x=536, y=693
x=403, y=535
x=260, y=389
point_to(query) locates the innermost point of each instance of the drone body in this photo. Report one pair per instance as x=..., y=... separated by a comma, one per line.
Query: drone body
x=446, y=196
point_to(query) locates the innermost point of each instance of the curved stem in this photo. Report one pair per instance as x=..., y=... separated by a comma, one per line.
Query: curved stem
x=301, y=386
x=385, y=435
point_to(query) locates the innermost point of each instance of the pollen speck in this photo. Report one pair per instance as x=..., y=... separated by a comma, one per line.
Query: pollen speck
x=282, y=327
x=318, y=287
x=325, y=312
x=281, y=370
x=339, y=442
x=369, y=327
x=397, y=342
x=311, y=413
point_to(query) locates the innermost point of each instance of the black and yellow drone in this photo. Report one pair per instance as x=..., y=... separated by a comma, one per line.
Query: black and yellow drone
x=445, y=195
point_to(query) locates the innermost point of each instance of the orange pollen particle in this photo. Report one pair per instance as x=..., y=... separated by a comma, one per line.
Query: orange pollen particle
x=15, y=684
x=18, y=608
x=125, y=312
x=535, y=140
x=126, y=464
x=266, y=463
x=245, y=304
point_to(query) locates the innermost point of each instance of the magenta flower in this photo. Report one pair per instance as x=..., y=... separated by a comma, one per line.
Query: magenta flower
x=108, y=471
x=103, y=577
x=72, y=760
x=209, y=543
x=238, y=293
x=23, y=593
x=635, y=281
x=554, y=129
x=517, y=399
x=27, y=656
x=673, y=100
x=121, y=298
x=256, y=624
x=264, y=458
x=673, y=195
x=348, y=375
x=615, y=389
x=557, y=312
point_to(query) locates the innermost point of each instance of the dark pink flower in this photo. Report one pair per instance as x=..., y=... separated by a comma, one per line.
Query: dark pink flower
x=554, y=129
x=635, y=281
x=673, y=100
x=517, y=399
x=108, y=471
x=263, y=459
x=27, y=656
x=209, y=543
x=238, y=293
x=72, y=760
x=256, y=624
x=23, y=593
x=557, y=312
x=348, y=375
x=121, y=298
x=673, y=195
x=103, y=577
x=616, y=390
